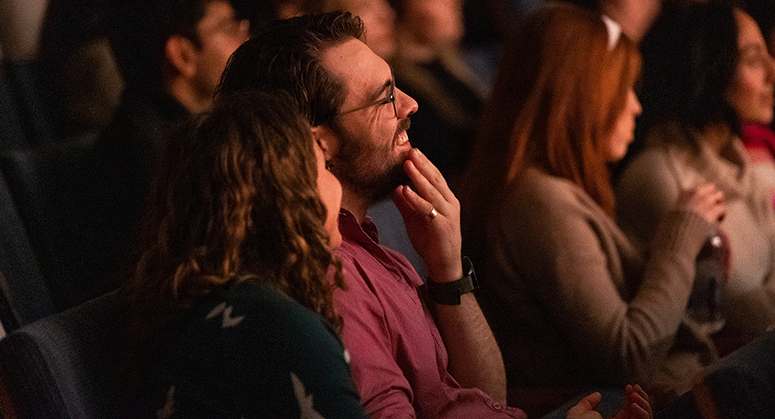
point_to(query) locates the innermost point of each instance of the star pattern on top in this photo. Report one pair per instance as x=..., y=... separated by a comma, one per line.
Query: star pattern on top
x=306, y=404
x=227, y=321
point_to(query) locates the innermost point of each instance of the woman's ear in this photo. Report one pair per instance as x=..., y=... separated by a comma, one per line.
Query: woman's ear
x=181, y=54
x=327, y=140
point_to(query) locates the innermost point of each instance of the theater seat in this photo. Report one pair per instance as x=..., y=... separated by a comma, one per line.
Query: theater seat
x=34, y=98
x=742, y=384
x=47, y=186
x=25, y=296
x=12, y=131
x=60, y=367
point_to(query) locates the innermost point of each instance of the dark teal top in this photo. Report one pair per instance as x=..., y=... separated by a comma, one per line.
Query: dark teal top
x=249, y=351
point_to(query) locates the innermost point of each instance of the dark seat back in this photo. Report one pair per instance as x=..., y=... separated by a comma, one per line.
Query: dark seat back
x=12, y=131
x=35, y=100
x=742, y=384
x=60, y=367
x=25, y=295
x=48, y=186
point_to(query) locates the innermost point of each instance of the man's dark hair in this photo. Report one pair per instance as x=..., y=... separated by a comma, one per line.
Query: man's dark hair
x=689, y=61
x=286, y=56
x=138, y=31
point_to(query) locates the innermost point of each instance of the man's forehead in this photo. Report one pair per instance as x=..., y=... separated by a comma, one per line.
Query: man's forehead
x=357, y=64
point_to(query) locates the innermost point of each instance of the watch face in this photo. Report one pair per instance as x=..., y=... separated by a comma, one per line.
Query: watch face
x=468, y=270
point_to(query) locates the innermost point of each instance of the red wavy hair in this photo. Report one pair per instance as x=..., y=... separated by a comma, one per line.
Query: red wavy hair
x=557, y=94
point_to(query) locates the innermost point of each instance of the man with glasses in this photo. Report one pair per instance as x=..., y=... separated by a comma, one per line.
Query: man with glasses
x=415, y=351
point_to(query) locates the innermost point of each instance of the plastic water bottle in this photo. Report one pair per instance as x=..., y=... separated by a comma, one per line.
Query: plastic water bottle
x=712, y=273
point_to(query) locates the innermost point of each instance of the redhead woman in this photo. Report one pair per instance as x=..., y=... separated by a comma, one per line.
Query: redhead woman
x=231, y=298
x=571, y=301
x=716, y=76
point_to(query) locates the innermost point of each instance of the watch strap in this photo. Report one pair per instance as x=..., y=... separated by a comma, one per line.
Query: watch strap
x=448, y=293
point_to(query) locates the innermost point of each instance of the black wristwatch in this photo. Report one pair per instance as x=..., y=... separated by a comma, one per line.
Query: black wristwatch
x=448, y=293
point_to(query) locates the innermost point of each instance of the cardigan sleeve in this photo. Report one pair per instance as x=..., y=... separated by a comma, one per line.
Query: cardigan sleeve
x=566, y=256
x=648, y=189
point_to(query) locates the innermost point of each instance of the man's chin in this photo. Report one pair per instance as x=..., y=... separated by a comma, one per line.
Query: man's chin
x=394, y=178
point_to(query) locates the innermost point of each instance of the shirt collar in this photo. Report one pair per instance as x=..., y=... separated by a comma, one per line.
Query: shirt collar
x=350, y=228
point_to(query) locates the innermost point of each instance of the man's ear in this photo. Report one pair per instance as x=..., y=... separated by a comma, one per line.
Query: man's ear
x=181, y=54
x=327, y=140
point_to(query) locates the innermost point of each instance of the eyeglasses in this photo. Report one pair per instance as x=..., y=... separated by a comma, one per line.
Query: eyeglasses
x=391, y=98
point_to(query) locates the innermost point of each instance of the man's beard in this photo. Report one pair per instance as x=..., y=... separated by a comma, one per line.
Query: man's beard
x=355, y=165
x=382, y=184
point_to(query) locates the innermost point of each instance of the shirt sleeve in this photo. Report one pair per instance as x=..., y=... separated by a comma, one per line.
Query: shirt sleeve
x=384, y=390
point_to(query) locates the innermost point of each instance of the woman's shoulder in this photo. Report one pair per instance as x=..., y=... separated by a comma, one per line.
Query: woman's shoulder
x=250, y=350
x=663, y=144
x=250, y=316
x=545, y=195
x=659, y=172
x=546, y=211
x=643, y=167
x=252, y=292
x=259, y=308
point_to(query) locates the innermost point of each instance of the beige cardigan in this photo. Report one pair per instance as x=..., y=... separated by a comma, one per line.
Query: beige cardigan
x=650, y=185
x=573, y=304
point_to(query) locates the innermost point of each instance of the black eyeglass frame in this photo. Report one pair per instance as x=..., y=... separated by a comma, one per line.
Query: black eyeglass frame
x=391, y=98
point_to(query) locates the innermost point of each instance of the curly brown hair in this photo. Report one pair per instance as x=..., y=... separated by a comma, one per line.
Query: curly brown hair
x=235, y=200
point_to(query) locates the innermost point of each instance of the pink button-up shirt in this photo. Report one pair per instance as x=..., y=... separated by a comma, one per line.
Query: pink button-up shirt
x=398, y=359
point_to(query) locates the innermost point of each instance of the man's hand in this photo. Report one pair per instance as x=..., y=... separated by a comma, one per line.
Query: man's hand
x=435, y=237
x=474, y=357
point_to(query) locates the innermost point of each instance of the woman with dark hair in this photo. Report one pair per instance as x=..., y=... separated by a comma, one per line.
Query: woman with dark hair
x=758, y=134
x=570, y=300
x=706, y=72
x=231, y=310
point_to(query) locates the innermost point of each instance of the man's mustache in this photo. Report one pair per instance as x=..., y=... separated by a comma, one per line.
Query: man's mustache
x=403, y=126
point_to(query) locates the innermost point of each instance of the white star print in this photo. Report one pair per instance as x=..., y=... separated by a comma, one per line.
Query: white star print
x=227, y=321
x=305, y=401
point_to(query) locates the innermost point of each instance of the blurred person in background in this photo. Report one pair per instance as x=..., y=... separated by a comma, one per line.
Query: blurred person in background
x=635, y=16
x=379, y=22
x=707, y=71
x=76, y=56
x=20, y=25
x=759, y=136
x=430, y=67
x=171, y=54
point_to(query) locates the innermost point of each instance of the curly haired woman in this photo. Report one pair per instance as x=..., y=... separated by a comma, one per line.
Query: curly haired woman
x=231, y=296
